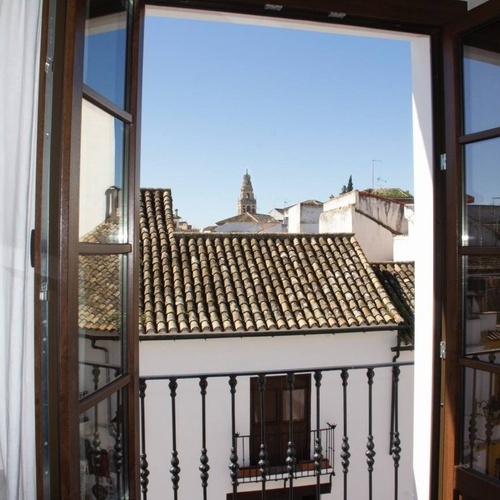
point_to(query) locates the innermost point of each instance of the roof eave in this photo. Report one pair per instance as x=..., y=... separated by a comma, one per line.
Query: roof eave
x=274, y=333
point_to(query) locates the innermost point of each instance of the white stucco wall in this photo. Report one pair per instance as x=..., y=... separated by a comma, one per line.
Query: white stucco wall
x=387, y=212
x=279, y=227
x=405, y=246
x=357, y=213
x=424, y=263
x=97, y=165
x=239, y=227
x=339, y=220
x=404, y=249
x=375, y=240
x=304, y=218
x=261, y=354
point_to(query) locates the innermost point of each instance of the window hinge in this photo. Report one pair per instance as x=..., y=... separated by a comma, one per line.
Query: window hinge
x=48, y=65
x=272, y=6
x=337, y=15
x=443, y=161
x=44, y=291
x=442, y=349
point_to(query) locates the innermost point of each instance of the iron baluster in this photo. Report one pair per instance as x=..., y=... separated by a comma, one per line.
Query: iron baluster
x=345, y=455
x=96, y=442
x=233, y=458
x=396, y=441
x=143, y=463
x=174, y=460
x=263, y=462
x=489, y=424
x=318, y=449
x=473, y=419
x=204, y=467
x=370, y=446
x=118, y=447
x=290, y=453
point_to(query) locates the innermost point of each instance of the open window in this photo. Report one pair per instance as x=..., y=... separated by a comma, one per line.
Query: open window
x=470, y=269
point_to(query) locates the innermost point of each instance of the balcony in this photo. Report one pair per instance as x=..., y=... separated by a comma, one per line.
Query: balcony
x=249, y=470
x=230, y=435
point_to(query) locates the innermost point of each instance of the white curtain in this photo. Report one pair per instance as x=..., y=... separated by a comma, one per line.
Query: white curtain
x=20, y=22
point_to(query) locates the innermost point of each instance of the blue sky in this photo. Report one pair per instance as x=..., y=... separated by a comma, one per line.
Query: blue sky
x=300, y=110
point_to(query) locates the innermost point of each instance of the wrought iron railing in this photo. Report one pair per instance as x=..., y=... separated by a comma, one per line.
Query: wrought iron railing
x=348, y=396
x=304, y=467
x=480, y=450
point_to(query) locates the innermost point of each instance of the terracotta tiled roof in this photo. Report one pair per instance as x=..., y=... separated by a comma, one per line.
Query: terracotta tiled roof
x=99, y=284
x=315, y=203
x=192, y=283
x=248, y=217
x=398, y=280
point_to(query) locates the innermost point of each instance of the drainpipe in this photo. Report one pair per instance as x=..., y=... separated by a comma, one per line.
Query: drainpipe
x=94, y=345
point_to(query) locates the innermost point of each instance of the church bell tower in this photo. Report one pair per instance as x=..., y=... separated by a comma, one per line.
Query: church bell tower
x=247, y=202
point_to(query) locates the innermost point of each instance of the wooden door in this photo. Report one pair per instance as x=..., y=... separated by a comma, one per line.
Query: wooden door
x=87, y=251
x=277, y=410
x=471, y=368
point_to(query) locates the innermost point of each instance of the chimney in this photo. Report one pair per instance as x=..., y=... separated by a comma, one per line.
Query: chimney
x=112, y=204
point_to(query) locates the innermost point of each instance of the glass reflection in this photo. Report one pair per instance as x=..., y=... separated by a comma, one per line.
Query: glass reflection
x=482, y=193
x=482, y=307
x=102, y=445
x=298, y=405
x=481, y=73
x=99, y=320
x=106, y=49
x=101, y=177
x=481, y=440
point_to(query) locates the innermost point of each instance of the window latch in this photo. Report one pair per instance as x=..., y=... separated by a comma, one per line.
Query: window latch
x=442, y=349
x=443, y=161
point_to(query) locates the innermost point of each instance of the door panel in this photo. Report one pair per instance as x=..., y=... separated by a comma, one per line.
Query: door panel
x=92, y=251
x=277, y=422
x=471, y=408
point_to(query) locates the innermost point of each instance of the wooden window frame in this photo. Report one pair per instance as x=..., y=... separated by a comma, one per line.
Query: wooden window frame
x=416, y=16
x=61, y=94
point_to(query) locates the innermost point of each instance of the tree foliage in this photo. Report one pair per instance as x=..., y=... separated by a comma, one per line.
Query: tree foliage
x=347, y=189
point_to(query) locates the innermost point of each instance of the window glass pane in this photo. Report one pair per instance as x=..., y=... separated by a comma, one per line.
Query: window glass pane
x=101, y=177
x=104, y=65
x=482, y=307
x=298, y=404
x=482, y=193
x=103, y=442
x=100, y=320
x=481, y=69
x=270, y=396
x=481, y=440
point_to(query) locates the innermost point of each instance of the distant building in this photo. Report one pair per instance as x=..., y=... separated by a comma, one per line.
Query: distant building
x=181, y=224
x=247, y=204
x=247, y=220
x=249, y=223
x=395, y=194
x=217, y=303
x=374, y=220
x=304, y=217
